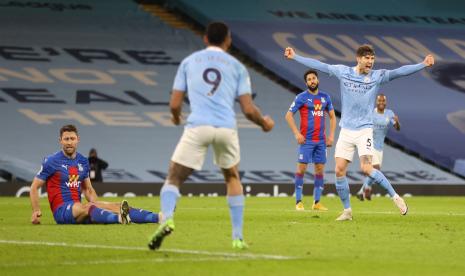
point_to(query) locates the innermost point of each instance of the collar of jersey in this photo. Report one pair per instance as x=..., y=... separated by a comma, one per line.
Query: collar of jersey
x=215, y=48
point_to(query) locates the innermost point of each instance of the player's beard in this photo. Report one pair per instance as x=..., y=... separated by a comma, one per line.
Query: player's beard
x=69, y=151
x=313, y=88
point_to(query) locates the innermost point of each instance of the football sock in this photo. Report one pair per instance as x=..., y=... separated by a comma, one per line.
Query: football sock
x=368, y=182
x=236, y=210
x=169, y=195
x=318, y=187
x=378, y=177
x=299, y=183
x=142, y=216
x=102, y=216
x=342, y=187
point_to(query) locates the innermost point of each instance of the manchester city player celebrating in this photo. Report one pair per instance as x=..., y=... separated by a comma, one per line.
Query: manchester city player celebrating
x=383, y=119
x=359, y=86
x=312, y=105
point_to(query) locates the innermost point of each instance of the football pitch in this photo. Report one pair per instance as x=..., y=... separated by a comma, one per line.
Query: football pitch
x=430, y=240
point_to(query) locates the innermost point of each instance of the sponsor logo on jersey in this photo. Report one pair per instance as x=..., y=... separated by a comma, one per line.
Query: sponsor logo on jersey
x=73, y=178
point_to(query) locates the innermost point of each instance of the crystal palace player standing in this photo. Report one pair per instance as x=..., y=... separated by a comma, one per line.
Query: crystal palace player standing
x=312, y=105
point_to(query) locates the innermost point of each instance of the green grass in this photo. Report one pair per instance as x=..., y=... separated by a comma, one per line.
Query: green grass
x=430, y=240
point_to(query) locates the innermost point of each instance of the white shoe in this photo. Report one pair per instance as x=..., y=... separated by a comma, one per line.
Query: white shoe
x=400, y=203
x=346, y=215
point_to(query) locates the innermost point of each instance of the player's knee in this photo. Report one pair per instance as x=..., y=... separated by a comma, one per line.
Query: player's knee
x=319, y=169
x=366, y=168
x=340, y=171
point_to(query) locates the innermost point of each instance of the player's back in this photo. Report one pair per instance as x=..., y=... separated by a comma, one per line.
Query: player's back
x=213, y=80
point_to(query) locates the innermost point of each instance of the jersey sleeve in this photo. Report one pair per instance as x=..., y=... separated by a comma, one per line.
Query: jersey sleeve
x=296, y=104
x=389, y=75
x=86, y=168
x=180, y=80
x=244, y=85
x=329, y=105
x=331, y=70
x=46, y=169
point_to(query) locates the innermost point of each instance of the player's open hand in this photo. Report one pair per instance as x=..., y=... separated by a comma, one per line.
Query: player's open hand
x=35, y=218
x=268, y=123
x=299, y=138
x=429, y=60
x=289, y=53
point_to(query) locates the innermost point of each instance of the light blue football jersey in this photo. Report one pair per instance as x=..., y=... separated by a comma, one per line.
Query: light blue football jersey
x=213, y=79
x=358, y=91
x=381, y=124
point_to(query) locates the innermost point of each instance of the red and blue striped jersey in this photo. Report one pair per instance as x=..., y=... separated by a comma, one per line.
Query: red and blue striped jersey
x=312, y=114
x=63, y=177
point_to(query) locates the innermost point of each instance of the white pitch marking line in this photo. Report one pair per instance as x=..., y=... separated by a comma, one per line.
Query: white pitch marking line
x=120, y=261
x=181, y=251
x=394, y=211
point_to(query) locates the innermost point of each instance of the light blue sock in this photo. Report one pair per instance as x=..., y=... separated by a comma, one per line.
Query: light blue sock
x=342, y=188
x=102, y=216
x=299, y=185
x=236, y=210
x=379, y=178
x=367, y=183
x=318, y=187
x=142, y=216
x=169, y=195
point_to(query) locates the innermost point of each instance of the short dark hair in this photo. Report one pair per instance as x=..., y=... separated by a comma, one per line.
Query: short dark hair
x=364, y=50
x=311, y=71
x=68, y=128
x=216, y=33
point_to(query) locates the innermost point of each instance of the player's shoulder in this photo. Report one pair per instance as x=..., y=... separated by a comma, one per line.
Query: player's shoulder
x=389, y=112
x=49, y=159
x=324, y=94
x=81, y=158
x=302, y=95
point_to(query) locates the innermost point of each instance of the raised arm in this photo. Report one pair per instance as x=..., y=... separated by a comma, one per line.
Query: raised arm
x=310, y=62
x=410, y=69
x=252, y=113
x=34, y=196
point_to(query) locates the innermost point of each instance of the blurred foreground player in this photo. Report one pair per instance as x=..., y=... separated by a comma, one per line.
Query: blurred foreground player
x=213, y=80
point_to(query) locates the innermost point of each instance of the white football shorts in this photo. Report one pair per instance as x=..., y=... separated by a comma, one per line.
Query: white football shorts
x=349, y=139
x=193, y=145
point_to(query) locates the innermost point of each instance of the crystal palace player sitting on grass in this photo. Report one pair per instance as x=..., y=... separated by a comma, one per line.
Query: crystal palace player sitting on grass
x=359, y=86
x=66, y=175
x=312, y=139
